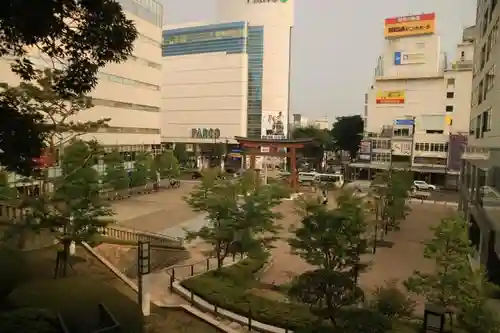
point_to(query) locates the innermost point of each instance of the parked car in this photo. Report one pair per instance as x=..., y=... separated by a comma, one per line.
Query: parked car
x=421, y=185
x=196, y=175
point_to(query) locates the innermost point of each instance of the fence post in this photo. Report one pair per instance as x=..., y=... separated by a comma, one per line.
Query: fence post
x=208, y=264
x=173, y=273
x=250, y=319
x=171, y=283
x=192, y=269
x=216, y=308
x=192, y=297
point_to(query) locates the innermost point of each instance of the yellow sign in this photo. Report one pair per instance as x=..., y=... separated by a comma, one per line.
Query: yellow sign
x=405, y=26
x=390, y=97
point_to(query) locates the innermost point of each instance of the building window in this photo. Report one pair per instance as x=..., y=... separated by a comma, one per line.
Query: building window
x=450, y=94
x=402, y=132
x=381, y=144
x=471, y=127
x=449, y=108
x=490, y=78
x=486, y=118
x=381, y=157
x=123, y=105
x=255, y=50
x=127, y=81
x=450, y=82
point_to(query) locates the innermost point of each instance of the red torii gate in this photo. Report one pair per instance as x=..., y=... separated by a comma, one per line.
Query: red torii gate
x=253, y=148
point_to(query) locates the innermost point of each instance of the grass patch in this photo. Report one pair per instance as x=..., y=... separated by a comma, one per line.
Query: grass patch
x=76, y=299
x=229, y=288
x=233, y=288
x=28, y=277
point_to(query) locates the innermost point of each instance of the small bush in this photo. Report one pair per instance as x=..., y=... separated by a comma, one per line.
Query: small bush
x=12, y=268
x=228, y=289
x=392, y=302
x=29, y=320
x=364, y=320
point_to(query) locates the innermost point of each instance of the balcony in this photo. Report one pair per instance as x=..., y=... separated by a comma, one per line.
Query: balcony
x=461, y=65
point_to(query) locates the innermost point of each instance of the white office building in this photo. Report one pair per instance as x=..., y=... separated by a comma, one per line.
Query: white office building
x=229, y=78
x=417, y=109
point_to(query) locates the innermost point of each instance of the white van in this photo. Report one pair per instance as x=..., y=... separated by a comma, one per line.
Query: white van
x=307, y=176
x=335, y=179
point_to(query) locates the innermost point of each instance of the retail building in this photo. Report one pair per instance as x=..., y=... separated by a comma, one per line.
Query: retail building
x=417, y=109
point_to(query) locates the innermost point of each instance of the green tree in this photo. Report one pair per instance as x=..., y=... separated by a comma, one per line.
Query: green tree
x=332, y=240
x=77, y=211
x=98, y=27
x=449, y=249
x=314, y=151
x=116, y=176
x=141, y=170
x=347, y=133
x=240, y=218
x=391, y=191
x=167, y=165
x=181, y=154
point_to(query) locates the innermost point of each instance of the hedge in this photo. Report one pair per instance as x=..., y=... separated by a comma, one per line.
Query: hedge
x=228, y=289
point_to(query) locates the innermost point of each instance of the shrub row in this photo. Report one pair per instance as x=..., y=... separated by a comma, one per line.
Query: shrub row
x=228, y=289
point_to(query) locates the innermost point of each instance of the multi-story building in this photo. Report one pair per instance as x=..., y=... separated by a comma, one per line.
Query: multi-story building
x=227, y=79
x=301, y=121
x=128, y=93
x=480, y=181
x=417, y=110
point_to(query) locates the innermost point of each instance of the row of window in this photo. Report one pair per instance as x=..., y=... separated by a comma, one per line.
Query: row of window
x=381, y=144
x=145, y=62
x=127, y=81
x=255, y=50
x=128, y=130
x=149, y=40
x=204, y=36
x=485, y=86
x=123, y=105
x=381, y=157
x=433, y=147
x=149, y=10
x=481, y=124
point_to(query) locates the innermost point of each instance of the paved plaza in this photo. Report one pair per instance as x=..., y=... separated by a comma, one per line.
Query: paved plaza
x=162, y=212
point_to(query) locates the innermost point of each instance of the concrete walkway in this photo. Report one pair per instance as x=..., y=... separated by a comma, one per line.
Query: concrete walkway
x=193, y=224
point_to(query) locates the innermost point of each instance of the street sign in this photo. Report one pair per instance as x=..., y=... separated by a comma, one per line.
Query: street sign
x=144, y=258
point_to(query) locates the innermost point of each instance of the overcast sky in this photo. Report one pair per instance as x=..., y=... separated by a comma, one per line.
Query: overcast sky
x=336, y=44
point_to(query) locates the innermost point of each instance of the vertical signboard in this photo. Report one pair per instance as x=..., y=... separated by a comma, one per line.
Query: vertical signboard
x=456, y=147
x=365, y=150
x=274, y=125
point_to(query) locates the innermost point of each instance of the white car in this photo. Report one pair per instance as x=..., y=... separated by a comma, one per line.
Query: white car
x=421, y=185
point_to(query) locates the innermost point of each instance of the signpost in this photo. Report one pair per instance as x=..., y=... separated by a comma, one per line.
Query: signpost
x=144, y=268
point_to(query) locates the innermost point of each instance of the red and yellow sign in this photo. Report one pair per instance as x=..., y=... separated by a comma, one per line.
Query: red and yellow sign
x=414, y=25
x=390, y=97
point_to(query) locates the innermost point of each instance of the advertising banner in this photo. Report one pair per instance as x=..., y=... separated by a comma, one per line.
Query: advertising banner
x=405, y=58
x=274, y=125
x=365, y=150
x=390, y=97
x=406, y=26
x=401, y=148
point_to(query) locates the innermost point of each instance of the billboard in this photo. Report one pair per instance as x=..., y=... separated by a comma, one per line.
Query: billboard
x=390, y=97
x=404, y=122
x=274, y=125
x=365, y=150
x=405, y=58
x=406, y=26
x=401, y=148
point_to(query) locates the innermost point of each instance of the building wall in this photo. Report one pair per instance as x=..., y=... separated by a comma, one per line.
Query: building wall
x=276, y=18
x=128, y=93
x=422, y=96
x=206, y=82
x=204, y=91
x=425, y=47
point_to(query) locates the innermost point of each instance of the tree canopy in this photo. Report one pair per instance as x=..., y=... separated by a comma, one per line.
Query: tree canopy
x=321, y=141
x=75, y=37
x=347, y=133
